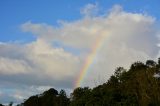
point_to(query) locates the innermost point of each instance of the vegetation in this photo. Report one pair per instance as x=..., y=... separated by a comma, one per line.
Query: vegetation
x=48, y=98
x=137, y=86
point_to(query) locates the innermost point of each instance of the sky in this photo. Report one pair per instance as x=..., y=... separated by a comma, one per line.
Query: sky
x=70, y=43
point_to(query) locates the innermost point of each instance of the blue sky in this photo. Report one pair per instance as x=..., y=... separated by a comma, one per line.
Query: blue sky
x=16, y=12
x=44, y=43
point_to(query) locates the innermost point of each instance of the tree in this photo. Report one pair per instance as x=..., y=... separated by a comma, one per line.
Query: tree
x=51, y=91
x=80, y=96
x=136, y=86
x=11, y=103
x=63, y=100
x=1, y=104
x=151, y=63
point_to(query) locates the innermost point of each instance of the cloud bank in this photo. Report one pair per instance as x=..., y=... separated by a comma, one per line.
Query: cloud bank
x=57, y=55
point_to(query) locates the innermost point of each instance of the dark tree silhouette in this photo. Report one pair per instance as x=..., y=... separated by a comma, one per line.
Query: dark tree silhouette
x=136, y=86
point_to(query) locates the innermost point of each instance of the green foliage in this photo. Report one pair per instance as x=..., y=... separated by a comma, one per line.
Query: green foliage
x=136, y=86
x=133, y=87
x=63, y=100
x=80, y=96
x=48, y=98
x=1, y=104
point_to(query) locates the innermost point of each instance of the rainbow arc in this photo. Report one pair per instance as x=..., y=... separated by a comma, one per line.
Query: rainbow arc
x=90, y=59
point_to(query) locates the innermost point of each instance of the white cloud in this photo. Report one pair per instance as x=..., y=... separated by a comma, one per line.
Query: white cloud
x=90, y=10
x=156, y=75
x=128, y=37
x=39, y=58
x=13, y=66
x=55, y=62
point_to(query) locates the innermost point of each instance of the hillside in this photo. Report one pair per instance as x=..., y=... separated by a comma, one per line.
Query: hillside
x=137, y=86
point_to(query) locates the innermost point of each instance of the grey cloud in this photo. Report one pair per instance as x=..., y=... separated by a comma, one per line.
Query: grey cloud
x=128, y=37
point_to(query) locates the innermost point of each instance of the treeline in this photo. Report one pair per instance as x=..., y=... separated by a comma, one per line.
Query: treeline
x=137, y=86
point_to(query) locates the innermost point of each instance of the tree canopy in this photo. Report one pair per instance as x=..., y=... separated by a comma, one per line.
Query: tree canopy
x=136, y=86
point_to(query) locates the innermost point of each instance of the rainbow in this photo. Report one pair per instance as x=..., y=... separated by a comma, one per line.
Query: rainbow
x=89, y=60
